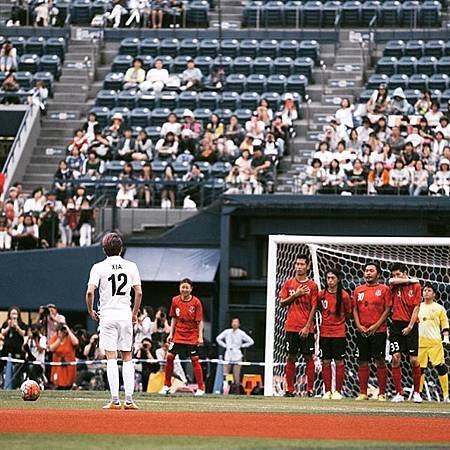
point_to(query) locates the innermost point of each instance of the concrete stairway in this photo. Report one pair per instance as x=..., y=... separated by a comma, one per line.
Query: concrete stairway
x=342, y=77
x=66, y=112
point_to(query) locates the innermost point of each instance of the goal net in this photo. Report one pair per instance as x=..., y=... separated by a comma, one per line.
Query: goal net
x=426, y=258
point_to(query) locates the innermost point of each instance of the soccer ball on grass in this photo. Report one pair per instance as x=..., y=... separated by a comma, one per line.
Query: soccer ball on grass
x=30, y=391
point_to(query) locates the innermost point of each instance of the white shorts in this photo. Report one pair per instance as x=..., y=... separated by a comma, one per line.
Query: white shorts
x=116, y=335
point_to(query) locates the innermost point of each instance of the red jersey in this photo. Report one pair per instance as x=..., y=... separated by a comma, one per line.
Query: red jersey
x=371, y=301
x=299, y=310
x=405, y=297
x=188, y=315
x=333, y=324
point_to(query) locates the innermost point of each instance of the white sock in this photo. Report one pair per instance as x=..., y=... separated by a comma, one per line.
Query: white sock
x=128, y=379
x=112, y=371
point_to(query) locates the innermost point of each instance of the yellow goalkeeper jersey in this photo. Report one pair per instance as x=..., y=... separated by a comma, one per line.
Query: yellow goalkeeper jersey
x=432, y=320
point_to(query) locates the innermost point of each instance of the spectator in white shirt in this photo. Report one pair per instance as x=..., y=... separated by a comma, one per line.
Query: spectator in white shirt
x=233, y=340
x=324, y=154
x=444, y=127
x=191, y=77
x=171, y=125
x=364, y=130
x=167, y=147
x=441, y=183
x=334, y=179
x=399, y=178
x=35, y=204
x=439, y=143
x=34, y=345
x=315, y=176
x=433, y=115
x=345, y=113
x=143, y=326
x=255, y=127
x=344, y=157
x=420, y=177
x=156, y=78
x=289, y=112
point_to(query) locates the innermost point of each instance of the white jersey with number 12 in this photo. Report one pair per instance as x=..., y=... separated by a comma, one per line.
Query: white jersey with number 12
x=114, y=277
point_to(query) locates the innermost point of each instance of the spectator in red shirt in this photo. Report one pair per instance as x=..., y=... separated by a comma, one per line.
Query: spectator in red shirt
x=299, y=295
x=404, y=331
x=335, y=306
x=186, y=334
x=371, y=307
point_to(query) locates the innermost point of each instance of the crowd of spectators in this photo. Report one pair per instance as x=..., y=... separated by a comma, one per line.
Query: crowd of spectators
x=49, y=338
x=387, y=146
x=42, y=220
x=253, y=149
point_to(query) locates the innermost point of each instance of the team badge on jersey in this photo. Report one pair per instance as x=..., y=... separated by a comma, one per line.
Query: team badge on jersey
x=177, y=312
x=291, y=292
x=360, y=296
x=378, y=292
x=192, y=309
x=411, y=293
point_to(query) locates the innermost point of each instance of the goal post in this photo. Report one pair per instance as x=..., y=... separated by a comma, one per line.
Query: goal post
x=427, y=259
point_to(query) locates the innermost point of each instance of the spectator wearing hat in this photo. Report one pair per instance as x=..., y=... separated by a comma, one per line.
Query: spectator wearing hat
x=191, y=78
x=189, y=123
x=156, y=78
x=172, y=125
x=441, y=181
x=419, y=179
x=8, y=57
x=399, y=178
x=289, y=112
x=135, y=75
x=378, y=179
x=399, y=105
x=167, y=148
x=433, y=115
x=35, y=204
x=255, y=127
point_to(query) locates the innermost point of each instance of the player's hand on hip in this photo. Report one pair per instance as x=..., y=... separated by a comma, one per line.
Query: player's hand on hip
x=406, y=330
x=94, y=316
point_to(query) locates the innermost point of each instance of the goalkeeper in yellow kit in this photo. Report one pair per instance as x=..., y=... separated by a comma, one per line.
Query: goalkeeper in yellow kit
x=433, y=336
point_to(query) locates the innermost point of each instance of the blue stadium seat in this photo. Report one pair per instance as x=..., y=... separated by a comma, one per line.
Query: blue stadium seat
x=443, y=65
x=399, y=80
x=187, y=100
x=159, y=116
x=158, y=166
x=35, y=45
x=102, y=113
x=370, y=9
x=390, y=13
x=407, y=65
x=81, y=12
x=414, y=48
x=223, y=113
x=256, y=83
x=167, y=61
x=170, y=47
x=179, y=63
x=29, y=63
x=25, y=80
x=430, y=14
x=150, y=46
x=106, y=98
x=387, y=65
x=435, y=48
x=52, y=64
x=410, y=13
x=48, y=80
x=113, y=168
x=273, y=98
x=445, y=98
x=447, y=48
x=230, y=100
x=230, y=47
x=56, y=46
x=243, y=114
x=330, y=10
x=139, y=117
x=126, y=99
x=242, y=65
x=351, y=13
x=365, y=95
x=304, y=66
x=202, y=114
x=277, y=83
x=418, y=81
x=226, y=62
x=297, y=83
x=263, y=65
x=19, y=44
x=436, y=95
x=147, y=100
x=154, y=133
x=220, y=169
x=98, y=7
x=178, y=111
x=208, y=100
x=293, y=14
x=412, y=95
x=438, y=81
x=310, y=49
x=189, y=47
x=283, y=66
x=395, y=49
x=249, y=47
x=312, y=14
x=122, y=63
x=288, y=49
x=268, y=47
x=147, y=62
x=427, y=65
x=375, y=80
x=249, y=100
x=197, y=14
x=253, y=14
x=204, y=63
x=180, y=168
x=209, y=47
x=129, y=46
x=273, y=13
x=168, y=99
x=235, y=82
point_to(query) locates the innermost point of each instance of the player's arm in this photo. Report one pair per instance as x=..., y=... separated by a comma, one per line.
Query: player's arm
x=362, y=329
x=221, y=339
x=444, y=327
x=412, y=321
x=373, y=328
x=305, y=330
x=90, y=295
x=397, y=281
x=200, y=332
x=137, y=301
x=247, y=341
x=72, y=337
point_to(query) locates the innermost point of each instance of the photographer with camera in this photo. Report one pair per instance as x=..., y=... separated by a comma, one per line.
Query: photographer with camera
x=160, y=327
x=143, y=326
x=49, y=318
x=146, y=351
x=63, y=345
x=34, y=347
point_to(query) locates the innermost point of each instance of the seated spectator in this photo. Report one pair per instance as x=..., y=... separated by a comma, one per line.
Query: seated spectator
x=91, y=127
x=127, y=188
x=439, y=143
x=419, y=182
x=191, y=78
x=343, y=156
x=424, y=131
x=167, y=148
x=244, y=163
x=441, y=182
x=62, y=345
x=158, y=8
x=215, y=127
x=16, y=199
x=255, y=127
x=207, y=151
x=137, y=9
x=156, y=78
x=49, y=226
x=216, y=79
x=126, y=146
x=143, y=147
x=399, y=178
x=169, y=187
x=429, y=159
x=34, y=346
x=80, y=195
x=315, y=176
x=93, y=165
x=333, y=133
x=444, y=127
x=39, y=96
x=187, y=146
x=234, y=130
x=5, y=232
x=175, y=11
x=364, y=130
x=334, y=179
x=8, y=57
x=42, y=10
x=189, y=123
x=192, y=191
x=172, y=125
x=396, y=141
x=35, y=204
x=118, y=10
x=262, y=170
x=85, y=223
x=378, y=104
x=115, y=130
x=75, y=162
x=135, y=75
x=281, y=132
x=289, y=113
x=63, y=179
x=409, y=156
x=19, y=13
x=357, y=178
x=387, y=157
x=103, y=146
x=79, y=141
x=433, y=115
x=344, y=114
x=399, y=105
x=235, y=182
x=271, y=148
x=378, y=179
x=382, y=131
x=10, y=85
x=265, y=112
x=423, y=105
x=323, y=154
x=247, y=144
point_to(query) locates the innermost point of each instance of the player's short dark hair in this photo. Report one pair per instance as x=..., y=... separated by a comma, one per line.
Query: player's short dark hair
x=112, y=244
x=431, y=286
x=236, y=318
x=398, y=266
x=187, y=280
x=304, y=257
x=373, y=263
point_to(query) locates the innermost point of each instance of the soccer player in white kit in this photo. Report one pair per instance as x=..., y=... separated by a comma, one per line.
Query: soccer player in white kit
x=115, y=277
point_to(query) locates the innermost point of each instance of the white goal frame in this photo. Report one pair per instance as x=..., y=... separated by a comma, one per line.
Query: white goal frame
x=313, y=242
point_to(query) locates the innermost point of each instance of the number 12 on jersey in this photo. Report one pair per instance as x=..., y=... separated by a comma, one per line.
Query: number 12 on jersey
x=122, y=279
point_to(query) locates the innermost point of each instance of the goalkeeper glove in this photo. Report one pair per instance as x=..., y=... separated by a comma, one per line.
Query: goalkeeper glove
x=446, y=341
